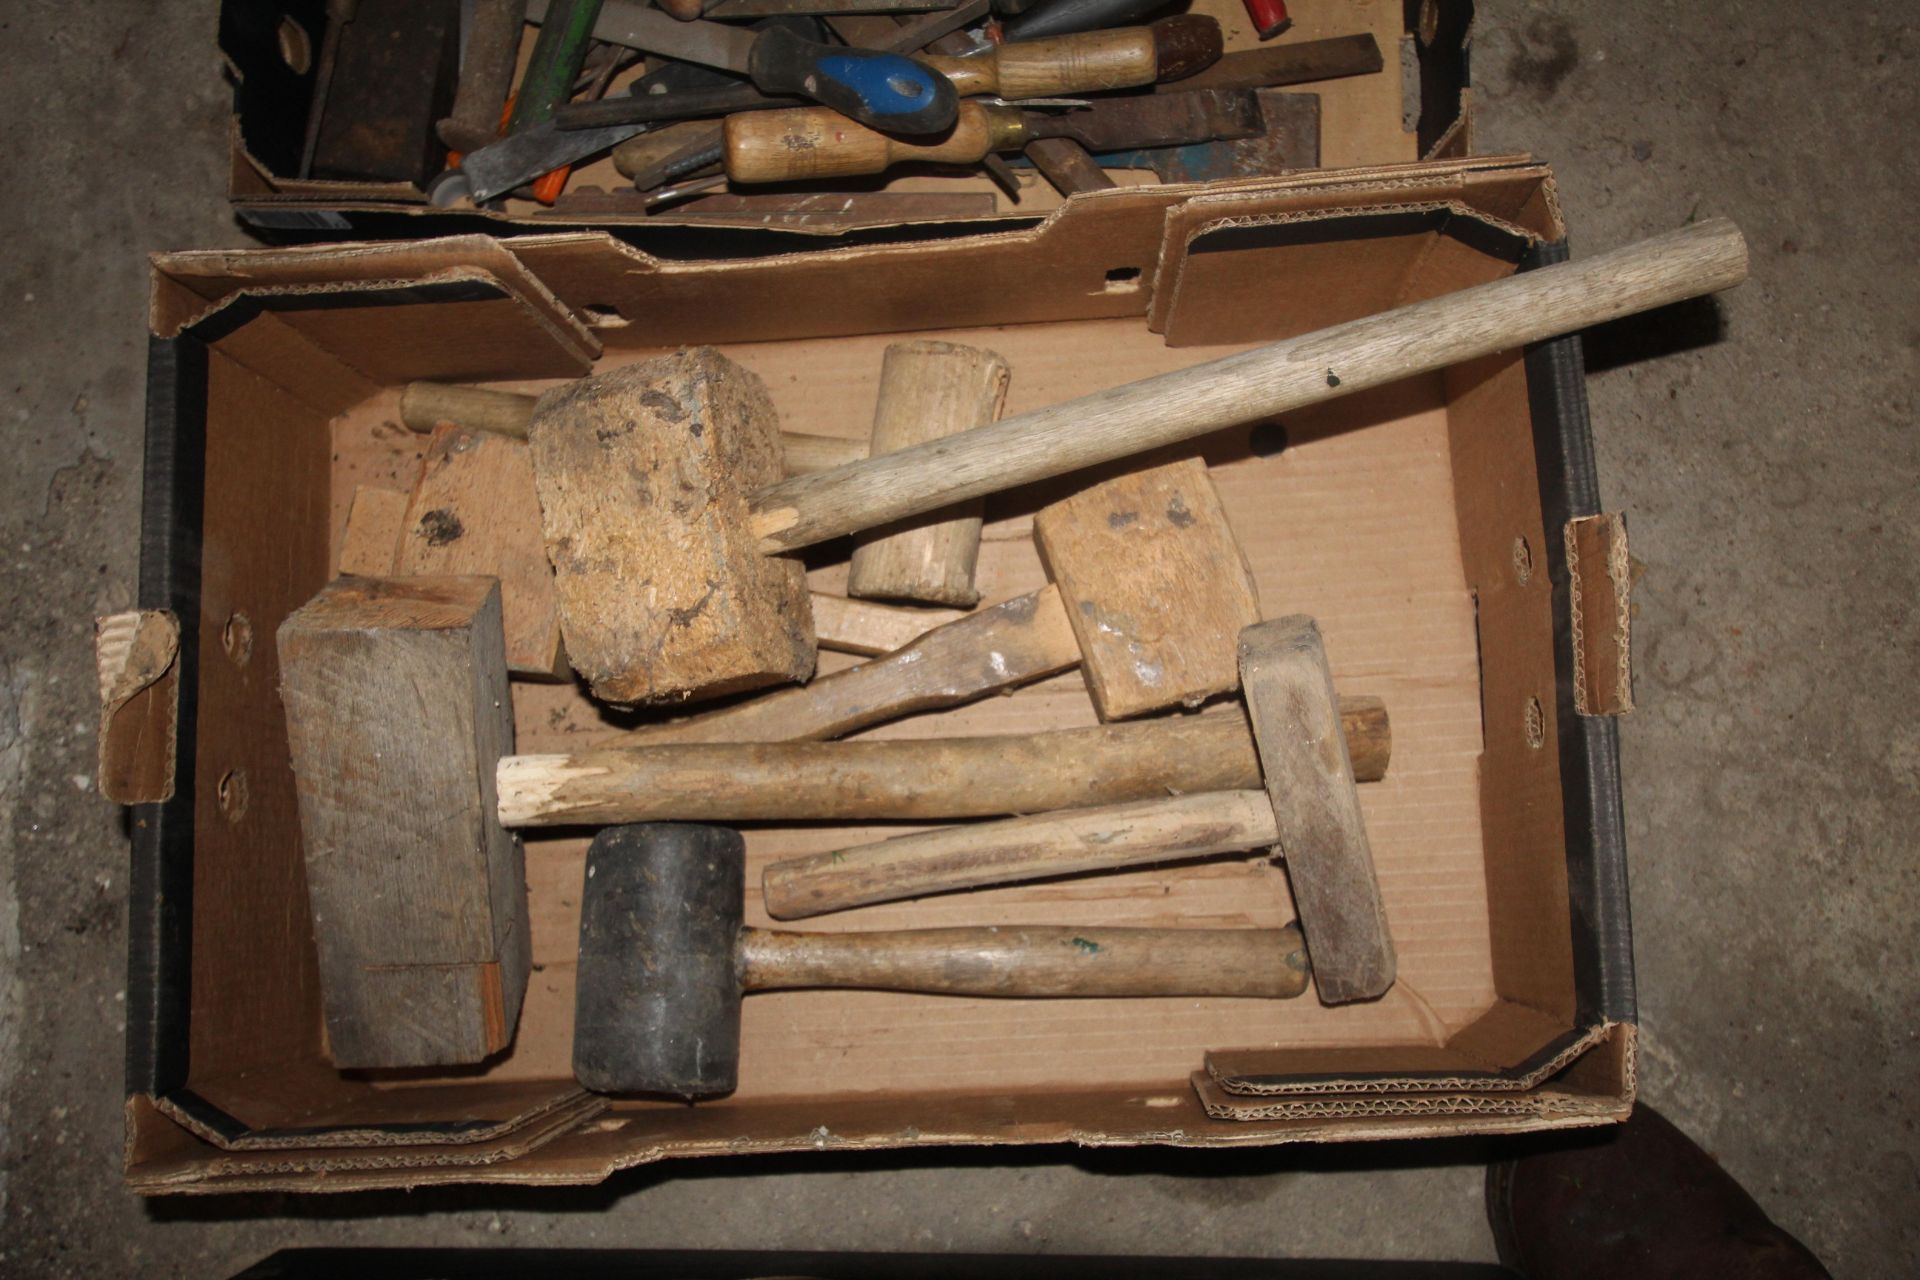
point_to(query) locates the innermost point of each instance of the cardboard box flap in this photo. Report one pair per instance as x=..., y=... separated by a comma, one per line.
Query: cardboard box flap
x=1600, y=593
x=1509, y=1047
x=436, y=1115
x=137, y=655
x=1230, y=260
x=203, y=1168
x=1540, y=1108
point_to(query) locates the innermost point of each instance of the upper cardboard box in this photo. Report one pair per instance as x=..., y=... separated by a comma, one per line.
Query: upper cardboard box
x=1415, y=107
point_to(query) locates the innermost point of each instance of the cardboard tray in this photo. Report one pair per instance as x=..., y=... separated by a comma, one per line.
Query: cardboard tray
x=1415, y=107
x=1438, y=529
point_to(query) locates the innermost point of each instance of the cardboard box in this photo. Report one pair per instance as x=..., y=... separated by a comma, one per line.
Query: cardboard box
x=1444, y=530
x=1415, y=107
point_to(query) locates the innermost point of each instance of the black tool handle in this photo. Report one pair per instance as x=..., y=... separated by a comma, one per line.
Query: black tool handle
x=1064, y=17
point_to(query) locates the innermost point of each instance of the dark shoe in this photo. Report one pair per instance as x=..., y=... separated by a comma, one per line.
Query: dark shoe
x=1639, y=1200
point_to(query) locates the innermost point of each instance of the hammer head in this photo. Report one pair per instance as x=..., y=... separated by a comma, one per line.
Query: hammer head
x=644, y=475
x=657, y=1000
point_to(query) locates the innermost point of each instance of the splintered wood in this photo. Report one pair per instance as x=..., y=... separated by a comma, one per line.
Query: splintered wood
x=928, y=390
x=474, y=511
x=1154, y=584
x=643, y=476
x=397, y=709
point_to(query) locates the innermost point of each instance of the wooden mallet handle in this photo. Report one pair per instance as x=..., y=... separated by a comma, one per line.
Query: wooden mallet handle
x=1269, y=380
x=1032, y=961
x=911, y=780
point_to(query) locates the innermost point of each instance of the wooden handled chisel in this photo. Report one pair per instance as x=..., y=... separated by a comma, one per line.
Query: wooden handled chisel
x=811, y=142
x=1122, y=58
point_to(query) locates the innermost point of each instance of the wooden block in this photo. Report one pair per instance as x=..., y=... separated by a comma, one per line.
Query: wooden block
x=644, y=474
x=371, y=543
x=397, y=710
x=928, y=390
x=860, y=626
x=1154, y=584
x=474, y=510
x=1316, y=808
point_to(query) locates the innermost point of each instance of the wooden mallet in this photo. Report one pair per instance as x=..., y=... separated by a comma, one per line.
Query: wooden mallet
x=1309, y=808
x=663, y=499
x=665, y=958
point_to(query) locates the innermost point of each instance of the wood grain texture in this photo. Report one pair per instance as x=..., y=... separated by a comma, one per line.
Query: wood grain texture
x=916, y=780
x=864, y=627
x=1117, y=58
x=799, y=143
x=1154, y=584
x=643, y=474
x=928, y=390
x=473, y=511
x=371, y=543
x=1032, y=961
x=998, y=648
x=1067, y=842
x=397, y=709
x=1266, y=381
x=1309, y=777
x=427, y=405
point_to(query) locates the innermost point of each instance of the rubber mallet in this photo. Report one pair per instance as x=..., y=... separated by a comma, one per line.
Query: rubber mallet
x=665, y=958
x=1308, y=807
x=667, y=472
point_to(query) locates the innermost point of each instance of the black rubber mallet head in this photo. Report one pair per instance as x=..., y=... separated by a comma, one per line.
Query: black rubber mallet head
x=664, y=960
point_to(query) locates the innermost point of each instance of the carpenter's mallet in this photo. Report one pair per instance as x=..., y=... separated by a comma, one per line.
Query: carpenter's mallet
x=665, y=958
x=669, y=473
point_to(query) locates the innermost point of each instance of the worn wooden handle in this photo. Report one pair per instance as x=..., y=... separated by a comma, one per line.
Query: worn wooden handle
x=1121, y=58
x=1068, y=842
x=1266, y=381
x=1031, y=961
x=1008, y=644
x=425, y=405
x=814, y=142
x=913, y=780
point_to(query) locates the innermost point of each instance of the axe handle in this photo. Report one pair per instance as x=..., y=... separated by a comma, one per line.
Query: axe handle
x=1266, y=381
x=1026, y=848
x=1030, y=961
x=927, y=779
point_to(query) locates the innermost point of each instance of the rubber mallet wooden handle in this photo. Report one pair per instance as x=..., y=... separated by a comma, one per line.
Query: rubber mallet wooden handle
x=919, y=780
x=664, y=960
x=1266, y=381
x=425, y=405
x=1308, y=808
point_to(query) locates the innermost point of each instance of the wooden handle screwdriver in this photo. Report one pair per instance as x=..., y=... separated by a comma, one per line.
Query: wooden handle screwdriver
x=812, y=142
x=1123, y=58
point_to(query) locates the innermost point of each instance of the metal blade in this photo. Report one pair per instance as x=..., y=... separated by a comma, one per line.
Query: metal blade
x=1155, y=120
x=623, y=22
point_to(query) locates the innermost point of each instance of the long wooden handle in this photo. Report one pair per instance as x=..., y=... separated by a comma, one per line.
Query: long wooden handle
x=1266, y=381
x=1068, y=842
x=425, y=405
x=912, y=780
x=993, y=649
x=1120, y=58
x=1031, y=961
x=812, y=142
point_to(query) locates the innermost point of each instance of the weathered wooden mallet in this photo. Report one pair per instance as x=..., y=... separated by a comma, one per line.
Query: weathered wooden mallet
x=665, y=958
x=1309, y=808
x=661, y=482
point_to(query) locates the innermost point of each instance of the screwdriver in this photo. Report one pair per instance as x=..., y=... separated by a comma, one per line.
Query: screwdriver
x=1122, y=58
x=813, y=142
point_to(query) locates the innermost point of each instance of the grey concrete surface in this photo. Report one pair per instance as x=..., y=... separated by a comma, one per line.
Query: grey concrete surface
x=1770, y=477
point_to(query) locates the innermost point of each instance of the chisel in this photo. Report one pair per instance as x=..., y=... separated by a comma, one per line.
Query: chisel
x=1123, y=58
x=883, y=90
x=811, y=142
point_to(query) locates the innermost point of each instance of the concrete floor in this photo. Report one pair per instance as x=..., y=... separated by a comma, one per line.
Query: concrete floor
x=1772, y=482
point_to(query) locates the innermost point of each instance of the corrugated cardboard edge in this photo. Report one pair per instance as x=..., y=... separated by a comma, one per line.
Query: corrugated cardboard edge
x=1540, y=1105
x=202, y=1172
x=1242, y=1086
x=137, y=655
x=193, y=1115
x=1600, y=602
